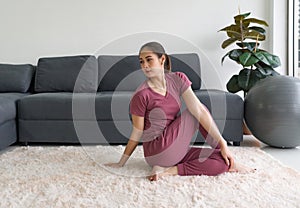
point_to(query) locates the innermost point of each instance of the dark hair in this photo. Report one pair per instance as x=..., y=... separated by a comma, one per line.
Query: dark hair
x=159, y=50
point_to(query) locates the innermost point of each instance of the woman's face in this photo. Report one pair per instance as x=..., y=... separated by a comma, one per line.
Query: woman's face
x=151, y=65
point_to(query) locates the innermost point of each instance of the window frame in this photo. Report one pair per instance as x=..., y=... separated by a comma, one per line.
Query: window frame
x=293, y=38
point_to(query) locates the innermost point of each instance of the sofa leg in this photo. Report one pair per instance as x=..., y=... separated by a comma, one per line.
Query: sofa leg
x=236, y=143
x=24, y=143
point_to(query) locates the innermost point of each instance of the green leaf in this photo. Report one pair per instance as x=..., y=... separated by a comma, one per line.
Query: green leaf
x=233, y=85
x=223, y=58
x=235, y=54
x=233, y=31
x=275, y=73
x=241, y=17
x=254, y=35
x=228, y=42
x=231, y=27
x=243, y=78
x=258, y=29
x=248, y=59
x=247, y=78
x=249, y=45
x=245, y=25
x=257, y=21
x=265, y=70
x=268, y=59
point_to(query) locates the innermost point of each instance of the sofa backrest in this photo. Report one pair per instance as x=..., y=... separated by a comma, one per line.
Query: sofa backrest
x=15, y=78
x=67, y=74
x=122, y=73
x=119, y=73
x=87, y=74
x=189, y=64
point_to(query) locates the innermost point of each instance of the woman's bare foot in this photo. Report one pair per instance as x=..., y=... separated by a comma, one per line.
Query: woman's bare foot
x=158, y=172
x=241, y=168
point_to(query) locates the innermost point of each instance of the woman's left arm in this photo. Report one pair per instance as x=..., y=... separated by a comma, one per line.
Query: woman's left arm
x=200, y=112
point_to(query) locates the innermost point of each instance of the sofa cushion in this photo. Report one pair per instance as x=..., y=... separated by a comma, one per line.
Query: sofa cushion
x=78, y=106
x=189, y=64
x=7, y=109
x=222, y=105
x=121, y=73
x=46, y=106
x=15, y=78
x=8, y=134
x=227, y=109
x=8, y=106
x=113, y=106
x=67, y=74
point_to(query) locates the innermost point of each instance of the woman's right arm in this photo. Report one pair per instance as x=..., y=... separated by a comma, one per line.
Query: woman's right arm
x=136, y=134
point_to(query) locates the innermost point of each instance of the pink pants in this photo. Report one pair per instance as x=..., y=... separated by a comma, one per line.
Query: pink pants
x=173, y=148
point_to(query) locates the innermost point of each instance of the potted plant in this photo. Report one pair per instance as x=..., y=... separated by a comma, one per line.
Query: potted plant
x=256, y=63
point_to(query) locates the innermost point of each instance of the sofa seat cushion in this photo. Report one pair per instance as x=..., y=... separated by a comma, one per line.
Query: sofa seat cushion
x=8, y=106
x=222, y=105
x=8, y=133
x=227, y=109
x=47, y=106
x=77, y=106
x=7, y=109
x=113, y=105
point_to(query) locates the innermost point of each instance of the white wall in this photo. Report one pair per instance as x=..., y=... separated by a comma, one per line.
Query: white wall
x=279, y=33
x=35, y=28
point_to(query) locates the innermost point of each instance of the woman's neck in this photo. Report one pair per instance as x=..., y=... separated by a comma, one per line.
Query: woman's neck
x=158, y=82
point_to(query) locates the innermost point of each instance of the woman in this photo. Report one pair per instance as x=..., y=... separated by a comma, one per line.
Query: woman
x=166, y=135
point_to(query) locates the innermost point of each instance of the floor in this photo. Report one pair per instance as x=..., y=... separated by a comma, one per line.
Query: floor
x=288, y=157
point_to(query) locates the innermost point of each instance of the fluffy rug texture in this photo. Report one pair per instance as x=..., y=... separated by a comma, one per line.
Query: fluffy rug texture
x=74, y=176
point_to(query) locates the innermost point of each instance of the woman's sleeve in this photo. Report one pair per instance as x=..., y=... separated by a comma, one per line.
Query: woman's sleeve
x=184, y=82
x=138, y=105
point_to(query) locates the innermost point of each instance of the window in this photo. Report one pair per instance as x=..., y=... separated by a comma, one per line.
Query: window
x=297, y=37
x=294, y=38
x=297, y=15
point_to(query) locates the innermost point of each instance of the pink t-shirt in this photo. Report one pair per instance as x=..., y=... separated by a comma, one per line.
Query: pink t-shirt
x=158, y=110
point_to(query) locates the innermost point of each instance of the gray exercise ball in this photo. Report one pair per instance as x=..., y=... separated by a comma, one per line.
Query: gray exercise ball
x=272, y=111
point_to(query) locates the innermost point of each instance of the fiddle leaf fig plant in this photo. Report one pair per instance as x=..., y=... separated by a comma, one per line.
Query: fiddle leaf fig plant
x=256, y=63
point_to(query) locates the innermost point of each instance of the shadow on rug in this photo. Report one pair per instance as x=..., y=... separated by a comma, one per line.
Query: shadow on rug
x=74, y=176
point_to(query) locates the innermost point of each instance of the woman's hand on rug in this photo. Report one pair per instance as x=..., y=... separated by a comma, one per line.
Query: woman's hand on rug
x=119, y=164
x=226, y=154
x=113, y=165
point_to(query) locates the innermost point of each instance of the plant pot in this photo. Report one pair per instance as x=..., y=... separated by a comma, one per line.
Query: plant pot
x=246, y=130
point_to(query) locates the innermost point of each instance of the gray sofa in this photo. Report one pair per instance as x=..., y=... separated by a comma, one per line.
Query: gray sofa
x=84, y=99
x=14, y=84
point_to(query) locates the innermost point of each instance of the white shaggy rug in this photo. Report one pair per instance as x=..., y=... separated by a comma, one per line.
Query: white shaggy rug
x=68, y=176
